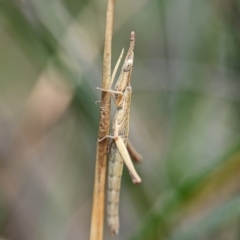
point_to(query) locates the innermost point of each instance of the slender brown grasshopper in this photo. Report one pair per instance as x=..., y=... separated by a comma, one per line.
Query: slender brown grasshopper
x=118, y=151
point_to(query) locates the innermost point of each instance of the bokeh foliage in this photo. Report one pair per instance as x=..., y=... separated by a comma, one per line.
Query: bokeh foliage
x=185, y=117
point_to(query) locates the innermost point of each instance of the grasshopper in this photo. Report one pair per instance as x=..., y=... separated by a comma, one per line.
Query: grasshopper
x=118, y=151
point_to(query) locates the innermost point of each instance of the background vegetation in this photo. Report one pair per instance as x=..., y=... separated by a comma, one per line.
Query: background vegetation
x=185, y=117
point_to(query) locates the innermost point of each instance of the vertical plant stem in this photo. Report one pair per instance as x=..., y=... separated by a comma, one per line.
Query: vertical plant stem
x=96, y=231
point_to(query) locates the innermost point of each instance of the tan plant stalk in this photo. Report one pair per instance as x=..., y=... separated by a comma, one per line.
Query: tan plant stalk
x=97, y=221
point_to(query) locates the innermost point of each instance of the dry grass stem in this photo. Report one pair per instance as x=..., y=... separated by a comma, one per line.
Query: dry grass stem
x=96, y=231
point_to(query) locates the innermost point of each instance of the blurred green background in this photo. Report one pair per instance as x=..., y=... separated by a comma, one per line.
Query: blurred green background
x=185, y=117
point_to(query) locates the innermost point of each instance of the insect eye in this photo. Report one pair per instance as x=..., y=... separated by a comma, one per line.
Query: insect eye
x=128, y=65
